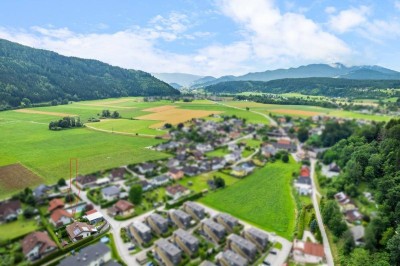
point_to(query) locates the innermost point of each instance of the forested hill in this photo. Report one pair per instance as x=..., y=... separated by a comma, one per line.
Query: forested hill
x=311, y=86
x=43, y=76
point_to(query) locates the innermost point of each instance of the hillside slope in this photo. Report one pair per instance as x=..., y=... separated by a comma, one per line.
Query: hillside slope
x=41, y=76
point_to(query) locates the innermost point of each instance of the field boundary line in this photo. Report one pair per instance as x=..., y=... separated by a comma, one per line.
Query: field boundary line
x=121, y=133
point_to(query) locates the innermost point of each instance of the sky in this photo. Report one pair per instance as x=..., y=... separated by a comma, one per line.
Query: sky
x=209, y=37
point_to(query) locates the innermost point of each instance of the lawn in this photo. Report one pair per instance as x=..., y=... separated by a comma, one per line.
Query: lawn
x=200, y=182
x=17, y=228
x=221, y=152
x=263, y=199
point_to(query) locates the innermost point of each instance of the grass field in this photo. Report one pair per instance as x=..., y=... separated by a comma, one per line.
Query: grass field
x=128, y=126
x=263, y=199
x=305, y=111
x=200, y=182
x=17, y=228
x=25, y=139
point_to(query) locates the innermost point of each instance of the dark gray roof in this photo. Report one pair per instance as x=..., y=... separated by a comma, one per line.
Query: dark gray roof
x=158, y=218
x=181, y=214
x=257, y=233
x=186, y=236
x=213, y=225
x=85, y=255
x=194, y=206
x=167, y=247
x=112, y=190
x=242, y=242
x=228, y=218
x=234, y=258
x=141, y=227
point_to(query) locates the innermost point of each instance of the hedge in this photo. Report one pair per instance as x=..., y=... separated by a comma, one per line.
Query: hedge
x=123, y=218
x=108, y=204
x=180, y=202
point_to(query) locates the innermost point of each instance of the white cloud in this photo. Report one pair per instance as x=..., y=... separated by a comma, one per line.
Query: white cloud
x=283, y=37
x=268, y=39
x=397, y=5
x=349, y=19
x=330, y=9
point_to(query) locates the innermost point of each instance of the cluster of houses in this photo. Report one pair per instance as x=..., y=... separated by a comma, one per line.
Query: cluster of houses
x=240, y=249
x=90, y=181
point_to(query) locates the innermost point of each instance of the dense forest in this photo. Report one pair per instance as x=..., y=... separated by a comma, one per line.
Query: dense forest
x=333, y=87
x=370, y=158
x=43, y=76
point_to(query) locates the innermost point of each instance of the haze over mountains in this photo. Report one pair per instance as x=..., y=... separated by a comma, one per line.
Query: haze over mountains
x=336, y=70
x=43, y=76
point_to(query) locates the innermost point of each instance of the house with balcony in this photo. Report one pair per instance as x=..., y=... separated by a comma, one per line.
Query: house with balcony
x=167, y=253
x=186, y=242
x=242, y=246
x=157, y=223
x=140, y=232
x=212, y=230
x=195, y=210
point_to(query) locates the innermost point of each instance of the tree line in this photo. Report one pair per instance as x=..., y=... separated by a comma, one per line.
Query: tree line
x=66, y=122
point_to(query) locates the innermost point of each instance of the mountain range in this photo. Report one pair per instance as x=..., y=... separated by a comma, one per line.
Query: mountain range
x=336, y=70
x=43, y=76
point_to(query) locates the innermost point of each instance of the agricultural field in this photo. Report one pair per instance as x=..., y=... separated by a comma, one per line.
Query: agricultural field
x=263, y=199
x=16, y=177
x=305, y=111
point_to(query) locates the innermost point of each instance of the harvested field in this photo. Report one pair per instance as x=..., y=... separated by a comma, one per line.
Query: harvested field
x=171, y=114
x=295, y=112
x=160, y=108
x=33, y=111
x=17, y=177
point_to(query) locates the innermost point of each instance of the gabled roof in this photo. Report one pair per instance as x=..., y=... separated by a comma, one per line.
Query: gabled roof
x=305, y=171
x=55, y=203
x=9, y=207
x=58, y=214
x=86, y=179
x=314, y=249
x=86, y=255
x=37, y=238
x=123, y=205
x=111, y=191
x=77, y=228
x=175, y=189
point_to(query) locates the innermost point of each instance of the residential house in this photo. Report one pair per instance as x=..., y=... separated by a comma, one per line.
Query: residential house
x=78, y=231
x=353, y=216
x=117, y=173
x=10, y=210
x=157, y=223
x=257, y=237
x=230, y=258
x=204, y=147
x=213, y=230
x=86, y=181
x=242, y=246
x=97, y=254
x=172, y=163
x=94, y=216
x=41, y=192
x=176, y=191
x=176, y=174
x=146, y=167
x=285, y=144
x=110, y=193
x=217, y=163
x=103, y=181
x=37, y=245
x=308, y=252
x=160, y=180
x=342, y=198
x=55, y=203
x=186, y=242
x=233, y=157
x=121, y=207
x=333, y=167
x=227, y=221
x=60, y=217
x=167, y=253
x=268, y=150
x=195, y=210
x=140, y=232
x=190, y=170
x=179, y=218
x=358, y=233
x=276, y=133
x=303, y=183
x=146, y=186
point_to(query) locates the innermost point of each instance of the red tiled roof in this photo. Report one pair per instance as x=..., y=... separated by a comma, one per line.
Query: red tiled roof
x=176, y=189
x=91, y=211
x=284, y=141
x=37, y=238
x=305, y=171
x=314, y=249
x=58, y=213
x=123, y=205
x=55, y=203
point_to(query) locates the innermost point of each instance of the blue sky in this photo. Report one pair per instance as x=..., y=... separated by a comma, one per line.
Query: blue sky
x=210, y=37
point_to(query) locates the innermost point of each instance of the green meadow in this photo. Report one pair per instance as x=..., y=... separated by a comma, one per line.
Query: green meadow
x=263, y=199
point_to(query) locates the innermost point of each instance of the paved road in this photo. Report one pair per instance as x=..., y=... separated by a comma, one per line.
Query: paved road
x=327, y=248
x=272, y=121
